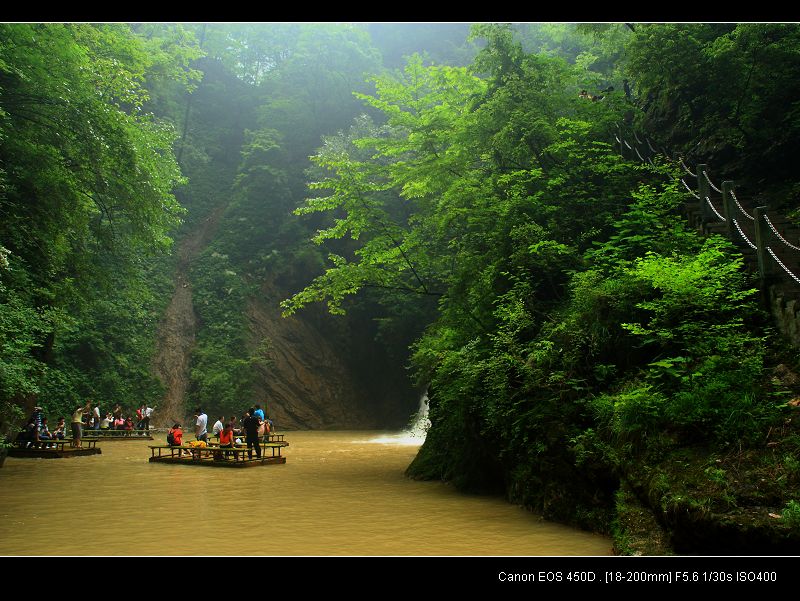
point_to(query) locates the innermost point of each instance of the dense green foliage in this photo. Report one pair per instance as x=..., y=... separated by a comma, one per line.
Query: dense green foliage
x=724, y=94
x=582, y=327
x=294, y=85
x=93, y=119
x=86, y=195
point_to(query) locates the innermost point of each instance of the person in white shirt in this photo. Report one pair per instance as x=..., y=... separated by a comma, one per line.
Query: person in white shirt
x=148, y=411
x=218, y=426
x=200, y=428
x=96, y=417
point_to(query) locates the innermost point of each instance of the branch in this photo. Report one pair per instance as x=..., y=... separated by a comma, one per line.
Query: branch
x=404, y=289
x=745, y=86
x=103, y=210
x=389, y=235
x=53, y=124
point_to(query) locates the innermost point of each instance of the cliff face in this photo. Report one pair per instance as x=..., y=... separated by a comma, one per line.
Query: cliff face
x=785, y=307
x=309, y=383
x=320, y=372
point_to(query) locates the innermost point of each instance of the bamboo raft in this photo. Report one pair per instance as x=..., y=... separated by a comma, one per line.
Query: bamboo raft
x=58, y=449
x=214, y=456
x=117, y=435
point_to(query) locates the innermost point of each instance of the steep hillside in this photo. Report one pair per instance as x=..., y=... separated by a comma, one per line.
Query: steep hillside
x=177, y=328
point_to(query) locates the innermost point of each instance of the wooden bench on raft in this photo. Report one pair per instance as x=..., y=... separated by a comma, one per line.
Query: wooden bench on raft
x=272, y=437
x=214, y=456
x=108, y=434
x=56, y=448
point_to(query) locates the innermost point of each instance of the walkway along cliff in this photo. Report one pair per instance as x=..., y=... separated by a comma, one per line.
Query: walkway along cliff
x=764, y=237
x=678, y=433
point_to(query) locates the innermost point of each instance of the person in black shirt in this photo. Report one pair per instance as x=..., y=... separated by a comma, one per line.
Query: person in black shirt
x=251, y=423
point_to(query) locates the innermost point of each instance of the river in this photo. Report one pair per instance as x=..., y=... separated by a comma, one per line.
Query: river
x=339, y=493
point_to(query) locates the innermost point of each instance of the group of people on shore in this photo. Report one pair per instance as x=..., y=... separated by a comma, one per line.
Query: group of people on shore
x=255, y=426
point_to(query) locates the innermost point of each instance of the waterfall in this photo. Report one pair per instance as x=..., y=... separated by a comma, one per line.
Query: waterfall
x=417, y=428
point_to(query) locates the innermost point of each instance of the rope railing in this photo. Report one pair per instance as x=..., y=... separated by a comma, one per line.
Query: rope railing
x=745, y=238
x=692, y=192
x=779, y=262
x=741, y=208
x=713, y=208
x=761, y=232
x=689, y=171
x=778, y=235
x=710, y=183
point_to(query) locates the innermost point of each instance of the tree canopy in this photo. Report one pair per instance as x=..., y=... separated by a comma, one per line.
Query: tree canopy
x=86, y=190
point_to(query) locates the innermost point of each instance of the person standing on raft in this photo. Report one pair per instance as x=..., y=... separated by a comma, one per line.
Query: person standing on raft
x=201, y=426
x=77, y=424
x=251, y=424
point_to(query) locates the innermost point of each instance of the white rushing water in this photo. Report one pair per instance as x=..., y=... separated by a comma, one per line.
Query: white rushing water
x=417, y=430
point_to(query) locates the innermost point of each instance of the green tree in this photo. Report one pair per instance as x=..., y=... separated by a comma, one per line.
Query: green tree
x=712, y=92
x=87, y=190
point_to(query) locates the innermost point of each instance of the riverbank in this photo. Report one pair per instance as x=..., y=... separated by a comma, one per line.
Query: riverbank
x=665, y=497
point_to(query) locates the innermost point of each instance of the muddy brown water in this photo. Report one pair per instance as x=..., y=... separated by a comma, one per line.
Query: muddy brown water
x=340, y=493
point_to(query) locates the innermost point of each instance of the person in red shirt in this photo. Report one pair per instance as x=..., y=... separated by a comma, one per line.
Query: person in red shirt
x=177, y=437
x=226, y=438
